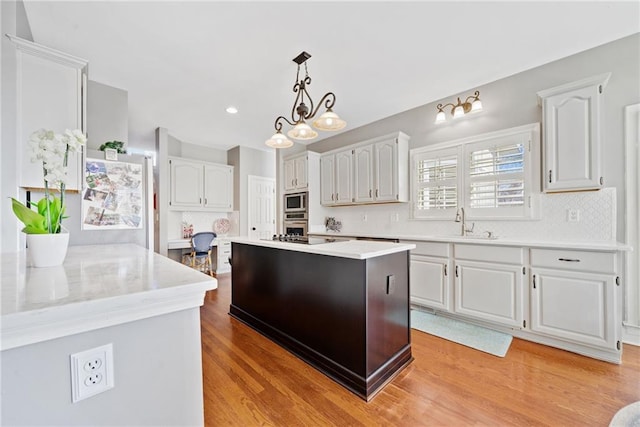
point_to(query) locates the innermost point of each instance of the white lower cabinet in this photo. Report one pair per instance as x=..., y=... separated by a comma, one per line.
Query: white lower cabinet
x=489, y=291
x=223, y=253
x=429, y=277
x=570, y=299
x=573, y=296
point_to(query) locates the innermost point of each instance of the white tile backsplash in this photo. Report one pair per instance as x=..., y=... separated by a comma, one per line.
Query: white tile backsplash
x=597, y=222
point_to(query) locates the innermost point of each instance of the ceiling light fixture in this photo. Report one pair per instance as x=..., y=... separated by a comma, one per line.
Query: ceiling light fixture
x=231, y=109
x=471, y=105
x=300, y=113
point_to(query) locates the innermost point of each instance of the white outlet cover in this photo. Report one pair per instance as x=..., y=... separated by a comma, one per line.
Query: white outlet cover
x=91, y=372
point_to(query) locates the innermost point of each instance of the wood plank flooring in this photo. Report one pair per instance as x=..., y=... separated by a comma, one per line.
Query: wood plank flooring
x=250, y=381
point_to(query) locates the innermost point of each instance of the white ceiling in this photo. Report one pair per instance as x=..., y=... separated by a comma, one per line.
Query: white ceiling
x=183, y=63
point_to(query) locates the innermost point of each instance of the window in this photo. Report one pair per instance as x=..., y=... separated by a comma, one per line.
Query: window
x=494, y=180
x=436, y=176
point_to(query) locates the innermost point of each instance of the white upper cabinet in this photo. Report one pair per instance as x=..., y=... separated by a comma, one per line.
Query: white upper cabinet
x=200, y=186
x=218, y=187
x=186, y=183
x=336, y=171
x=296, y=171
x=51, y=95
x=327, y=179
x=572, y=129
x=363, y=174
x=374, y=171
x=344, y=177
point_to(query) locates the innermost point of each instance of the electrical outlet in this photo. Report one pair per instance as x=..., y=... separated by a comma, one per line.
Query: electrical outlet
x=395, y=217
x=91, y=372
x=573, y=215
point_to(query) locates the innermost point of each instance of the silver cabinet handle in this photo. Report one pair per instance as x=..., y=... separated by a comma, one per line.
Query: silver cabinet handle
x=369, y=192
x=549, y=175
x=445, y=270
x=456, y=271
x=569, y=259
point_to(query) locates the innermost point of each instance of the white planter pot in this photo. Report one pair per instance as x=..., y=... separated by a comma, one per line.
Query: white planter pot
x=47, y=250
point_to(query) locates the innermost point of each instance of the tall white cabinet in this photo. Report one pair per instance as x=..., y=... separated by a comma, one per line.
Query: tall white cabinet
x=51, y=94
x=572, y=132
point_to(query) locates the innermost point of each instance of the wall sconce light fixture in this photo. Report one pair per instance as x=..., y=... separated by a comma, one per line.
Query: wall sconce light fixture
x=470, y=105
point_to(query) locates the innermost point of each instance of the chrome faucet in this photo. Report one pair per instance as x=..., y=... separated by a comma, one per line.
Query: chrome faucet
x=460, y=218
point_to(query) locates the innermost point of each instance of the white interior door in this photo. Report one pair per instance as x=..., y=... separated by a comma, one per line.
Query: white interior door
x=262, y=207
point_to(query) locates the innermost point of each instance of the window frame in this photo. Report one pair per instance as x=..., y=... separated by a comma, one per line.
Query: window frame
x=528, y=135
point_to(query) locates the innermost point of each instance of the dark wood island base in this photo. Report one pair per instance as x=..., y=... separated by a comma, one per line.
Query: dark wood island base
x=348, y=318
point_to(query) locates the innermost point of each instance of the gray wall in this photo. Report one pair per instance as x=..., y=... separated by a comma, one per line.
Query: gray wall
x=513, y=102
x=157, y=377
x=107, y=115
x=248, y=161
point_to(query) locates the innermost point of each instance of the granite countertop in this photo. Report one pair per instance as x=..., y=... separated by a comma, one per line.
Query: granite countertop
x=499, y=241
x=356, y=249
x=97, y=286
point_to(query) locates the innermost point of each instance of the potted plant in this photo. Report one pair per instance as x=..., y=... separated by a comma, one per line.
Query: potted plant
x=114, y=145
x=46, y=240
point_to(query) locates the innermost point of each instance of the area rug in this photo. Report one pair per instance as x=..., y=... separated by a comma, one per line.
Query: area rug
x=473, y=336
x=629, y=416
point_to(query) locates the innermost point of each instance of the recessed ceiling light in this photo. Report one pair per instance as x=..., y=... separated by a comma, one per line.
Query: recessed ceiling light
x=232, y=110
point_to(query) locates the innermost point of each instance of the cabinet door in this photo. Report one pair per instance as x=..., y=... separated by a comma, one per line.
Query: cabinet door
x=363, y=174
x=574, y=306
x=572, y=140
x=386, y=171
x=218, y=187
x=429, y=282
x=186, y=184
x=490, y=292
x=300, y=166
x=50, y=96
x=327, y=182
x=344, y=176
x=289, y=175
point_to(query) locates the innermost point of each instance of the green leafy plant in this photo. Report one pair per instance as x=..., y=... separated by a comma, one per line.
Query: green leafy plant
x=53, y=151
x=116, y=145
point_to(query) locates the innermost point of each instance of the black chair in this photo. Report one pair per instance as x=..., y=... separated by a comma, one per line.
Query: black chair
x=200, y=256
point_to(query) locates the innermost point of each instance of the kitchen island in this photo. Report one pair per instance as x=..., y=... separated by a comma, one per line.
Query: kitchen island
x=343, y=307
x=144, y=304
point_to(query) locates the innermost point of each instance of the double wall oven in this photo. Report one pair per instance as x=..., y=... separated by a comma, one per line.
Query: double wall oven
x=296, y=213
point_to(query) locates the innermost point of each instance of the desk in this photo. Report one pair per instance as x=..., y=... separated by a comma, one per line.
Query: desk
x=221, y=248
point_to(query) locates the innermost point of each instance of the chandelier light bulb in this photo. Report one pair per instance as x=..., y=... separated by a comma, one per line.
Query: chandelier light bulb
x=440, y=117
x=329, y=121
x=302, y=131
x=278, y=140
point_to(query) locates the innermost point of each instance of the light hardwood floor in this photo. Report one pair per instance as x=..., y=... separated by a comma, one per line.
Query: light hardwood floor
x=250, y=381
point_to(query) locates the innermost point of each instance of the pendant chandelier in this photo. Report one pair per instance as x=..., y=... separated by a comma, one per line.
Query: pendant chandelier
x=301, y=112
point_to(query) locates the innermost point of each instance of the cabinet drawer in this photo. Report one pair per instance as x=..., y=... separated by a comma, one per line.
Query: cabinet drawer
x=500, y=254
x=599, y=262
x=429, y=248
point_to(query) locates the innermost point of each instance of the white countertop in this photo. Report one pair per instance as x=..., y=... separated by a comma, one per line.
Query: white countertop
x=97, y=286
x=356, y=249
x=610, y=246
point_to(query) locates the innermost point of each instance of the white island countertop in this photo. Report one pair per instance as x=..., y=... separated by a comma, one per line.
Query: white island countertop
x=96, y=287
x=356, y=249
